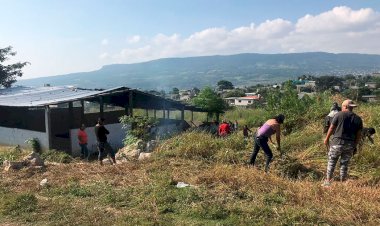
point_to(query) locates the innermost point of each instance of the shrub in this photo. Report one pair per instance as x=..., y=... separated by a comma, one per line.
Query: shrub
x=34, y=144
x=56, y=156
x=10, y=154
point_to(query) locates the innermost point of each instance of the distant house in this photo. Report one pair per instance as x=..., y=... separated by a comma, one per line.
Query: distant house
x=242, y=101
x=369, y=98
x=337, y=88
x=303, y=94
x=371, y=85
x=306, y=85
x=187, y=94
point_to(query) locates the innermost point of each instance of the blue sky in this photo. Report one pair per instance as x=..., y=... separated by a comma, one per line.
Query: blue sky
x=66, y=36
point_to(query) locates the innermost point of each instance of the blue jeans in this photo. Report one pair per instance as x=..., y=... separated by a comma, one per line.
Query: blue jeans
x=84, y=150
x=261, y=142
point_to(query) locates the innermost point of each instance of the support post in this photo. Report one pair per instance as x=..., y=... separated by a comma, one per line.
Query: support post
x=82, y=112
x=101, y=106
x=192, y=116
x=155, y=113
x=183, y=114
x=217, y=116
x=71, y=115
x=146, y=113
x=130, y=101
x=48, y=126
x=168, y=113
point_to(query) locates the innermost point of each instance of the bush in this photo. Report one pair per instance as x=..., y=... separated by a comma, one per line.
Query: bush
x=56, y=156
x=10, y=154
x=34, y=144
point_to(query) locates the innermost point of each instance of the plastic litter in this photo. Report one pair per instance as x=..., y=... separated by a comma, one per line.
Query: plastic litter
x=182, y=185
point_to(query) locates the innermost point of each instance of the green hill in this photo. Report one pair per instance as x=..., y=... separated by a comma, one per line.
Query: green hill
x=241, y=69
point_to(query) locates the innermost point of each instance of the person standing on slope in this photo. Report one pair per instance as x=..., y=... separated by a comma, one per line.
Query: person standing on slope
x=346, y=129
x=270, y=127
x=224, y=129
x=104, y=147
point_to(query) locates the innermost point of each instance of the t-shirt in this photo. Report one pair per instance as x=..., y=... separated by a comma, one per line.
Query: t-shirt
x=82, y=137
x=224, y=129
x=265, y=131
x=347, y=125
x=101, y=133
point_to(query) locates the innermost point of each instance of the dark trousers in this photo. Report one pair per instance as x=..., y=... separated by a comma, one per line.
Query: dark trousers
x=261, y=142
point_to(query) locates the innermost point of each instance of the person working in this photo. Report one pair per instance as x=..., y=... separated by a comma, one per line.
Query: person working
x=270, y=127
x=346, y=129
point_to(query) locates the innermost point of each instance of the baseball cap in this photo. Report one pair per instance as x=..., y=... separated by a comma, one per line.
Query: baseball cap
x=349, y=103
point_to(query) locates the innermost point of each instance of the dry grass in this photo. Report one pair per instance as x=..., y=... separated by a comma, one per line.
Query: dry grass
x=225, y=190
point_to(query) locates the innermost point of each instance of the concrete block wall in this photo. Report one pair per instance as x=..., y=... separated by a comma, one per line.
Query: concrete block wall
x=13, y=136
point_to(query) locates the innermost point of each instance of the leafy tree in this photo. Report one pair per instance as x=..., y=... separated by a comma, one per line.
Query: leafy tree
x=223, y=84
x=327, y=82
x=236, y=93
x=8, y=73
x=175, y=90
x=307, y=77
x=356, y=94
x=209, y=100
x=196, y=90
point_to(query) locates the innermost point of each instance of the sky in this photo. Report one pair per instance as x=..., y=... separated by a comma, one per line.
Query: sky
x=67, y=36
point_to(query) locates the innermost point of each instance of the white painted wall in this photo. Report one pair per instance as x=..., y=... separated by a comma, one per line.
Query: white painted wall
x=243, y=102
x=13, y=136
x=115, y=138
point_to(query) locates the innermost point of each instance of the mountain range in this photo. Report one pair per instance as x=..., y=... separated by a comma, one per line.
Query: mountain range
x=241, y=69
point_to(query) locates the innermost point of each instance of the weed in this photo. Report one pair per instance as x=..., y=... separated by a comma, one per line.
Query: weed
x=20, y=204
x=56, y=156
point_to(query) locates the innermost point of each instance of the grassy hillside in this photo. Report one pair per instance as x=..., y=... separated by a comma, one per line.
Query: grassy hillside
x=224, y=191
x=240, y=69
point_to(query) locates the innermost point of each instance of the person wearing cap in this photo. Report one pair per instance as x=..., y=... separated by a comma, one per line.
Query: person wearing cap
x=104, y=147
x=345, y=130
x=270, y=127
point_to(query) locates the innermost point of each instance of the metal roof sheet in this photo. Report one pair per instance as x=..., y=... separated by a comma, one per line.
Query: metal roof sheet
x=33, y=97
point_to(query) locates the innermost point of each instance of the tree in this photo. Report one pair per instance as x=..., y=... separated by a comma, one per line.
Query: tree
x=223, y=84
x=210, y=101
x=235, y=93
x=8, y=73
x=175, y=90
x=328, y=82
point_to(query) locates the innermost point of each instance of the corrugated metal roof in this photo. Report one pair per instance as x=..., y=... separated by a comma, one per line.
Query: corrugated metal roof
x=33, y=97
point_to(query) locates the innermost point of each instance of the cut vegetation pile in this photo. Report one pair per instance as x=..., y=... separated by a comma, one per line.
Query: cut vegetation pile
x=223, y=191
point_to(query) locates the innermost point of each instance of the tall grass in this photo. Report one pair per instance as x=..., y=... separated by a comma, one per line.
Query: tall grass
x=224, y=189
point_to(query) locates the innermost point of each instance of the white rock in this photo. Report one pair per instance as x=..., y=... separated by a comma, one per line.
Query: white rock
x=43, y=182
x=33, y=159
x=144, y=156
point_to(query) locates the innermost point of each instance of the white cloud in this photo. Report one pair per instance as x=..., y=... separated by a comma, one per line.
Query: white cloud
x=104, y=56
x=341, y=29
x=104, y=42
x=134, y=39
x=338, y=19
